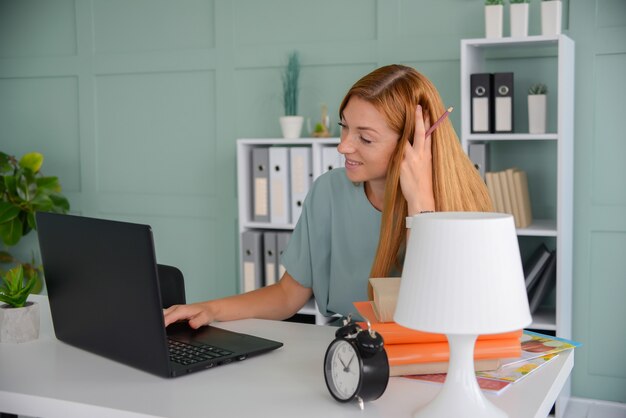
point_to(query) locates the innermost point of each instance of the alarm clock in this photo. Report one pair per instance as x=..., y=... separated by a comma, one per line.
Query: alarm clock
x=356, y=365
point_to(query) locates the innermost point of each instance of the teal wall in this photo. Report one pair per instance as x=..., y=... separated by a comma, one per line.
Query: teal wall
x=136, y=105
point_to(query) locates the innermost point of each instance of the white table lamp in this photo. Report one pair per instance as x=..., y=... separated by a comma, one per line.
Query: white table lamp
x=462, y=277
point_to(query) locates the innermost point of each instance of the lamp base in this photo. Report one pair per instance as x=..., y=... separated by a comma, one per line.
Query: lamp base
x=460, y=395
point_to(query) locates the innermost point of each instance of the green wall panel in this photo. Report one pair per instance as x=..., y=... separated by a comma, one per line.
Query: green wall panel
x=122, y=26
x=609, y=148
x=41, y=114
x=34, y=28
x=156, y=133
x=296, y=22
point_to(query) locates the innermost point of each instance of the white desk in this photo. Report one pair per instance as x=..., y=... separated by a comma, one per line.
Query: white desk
x=47, y=378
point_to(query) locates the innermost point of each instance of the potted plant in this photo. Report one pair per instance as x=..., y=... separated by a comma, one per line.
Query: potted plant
x=537, y=108
x=19, y=319
x=551, y=17
x=291, y=123
x=519, y=18
x=494, y=11
x=24, y=190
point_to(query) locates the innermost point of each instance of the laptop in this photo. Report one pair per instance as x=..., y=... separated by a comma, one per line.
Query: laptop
x=103, y=287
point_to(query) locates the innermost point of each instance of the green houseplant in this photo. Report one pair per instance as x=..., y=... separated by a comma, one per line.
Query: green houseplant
x=19, y=319
x=291, y=122
x=24, y=190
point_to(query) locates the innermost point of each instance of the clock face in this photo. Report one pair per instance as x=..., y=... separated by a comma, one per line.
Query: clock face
x=342, y=370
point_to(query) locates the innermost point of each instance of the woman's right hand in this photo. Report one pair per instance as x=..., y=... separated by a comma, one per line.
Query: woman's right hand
x=197, y=314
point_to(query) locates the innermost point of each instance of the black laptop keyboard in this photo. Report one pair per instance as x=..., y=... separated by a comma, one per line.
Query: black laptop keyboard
x=186, y=354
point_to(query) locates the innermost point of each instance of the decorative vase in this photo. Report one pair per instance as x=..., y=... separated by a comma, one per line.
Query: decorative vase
x=537, y=113
x=551, y=17
x=493, y=20
x=19, y=325
x=291, y=126
x=519, y=20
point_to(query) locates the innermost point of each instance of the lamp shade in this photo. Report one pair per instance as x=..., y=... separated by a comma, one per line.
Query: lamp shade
x=463, y=275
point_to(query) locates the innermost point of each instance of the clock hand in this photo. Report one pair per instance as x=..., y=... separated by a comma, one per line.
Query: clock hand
x=347, y=368
x=342, y=363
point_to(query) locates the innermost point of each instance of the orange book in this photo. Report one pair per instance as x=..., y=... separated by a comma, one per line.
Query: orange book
x=437, y=352
x=393, y=333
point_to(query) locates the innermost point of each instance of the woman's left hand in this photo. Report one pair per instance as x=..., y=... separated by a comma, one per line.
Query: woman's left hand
x=416, y=169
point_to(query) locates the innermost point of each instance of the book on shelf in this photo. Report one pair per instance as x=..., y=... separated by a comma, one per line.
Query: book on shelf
x=544, y=285
x=520, y=180
x=509, y=193
x=534, y=266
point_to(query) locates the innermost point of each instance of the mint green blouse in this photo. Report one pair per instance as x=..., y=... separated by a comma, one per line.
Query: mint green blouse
x=334, y=243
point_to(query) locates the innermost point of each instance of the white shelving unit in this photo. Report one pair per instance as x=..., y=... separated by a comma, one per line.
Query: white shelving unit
x=483, y=55
x=244, y=192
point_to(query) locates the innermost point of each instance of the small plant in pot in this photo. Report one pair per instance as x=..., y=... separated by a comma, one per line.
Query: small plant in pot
x=24, y=190
x=291, y=123
x=19, y=319
x=537, y=105
x=494, y=14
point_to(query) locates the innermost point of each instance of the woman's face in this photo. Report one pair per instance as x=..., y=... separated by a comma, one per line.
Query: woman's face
x=367, y=142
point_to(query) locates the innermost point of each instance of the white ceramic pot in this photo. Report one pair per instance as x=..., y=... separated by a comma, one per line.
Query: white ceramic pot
x=291, y=126
x=537, y=113
x=19, y=325
x=519, y=20
x=551, y=17
x=493, y=20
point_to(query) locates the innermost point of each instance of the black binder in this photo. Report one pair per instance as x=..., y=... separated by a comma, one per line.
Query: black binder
x=503, y=102
x=482, y=109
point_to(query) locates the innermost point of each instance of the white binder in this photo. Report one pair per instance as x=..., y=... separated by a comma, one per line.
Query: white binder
x=301, y=178
x=260, y=184
x=331, y=158
x=252, y=260
x=282, y=240
x=270, y=258
x=280, y=203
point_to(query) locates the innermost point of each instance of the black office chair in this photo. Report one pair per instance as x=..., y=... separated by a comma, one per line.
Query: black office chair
x=172, y=284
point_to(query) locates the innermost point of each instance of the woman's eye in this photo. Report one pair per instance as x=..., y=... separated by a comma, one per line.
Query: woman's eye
x=366, y=141
x=342, y=125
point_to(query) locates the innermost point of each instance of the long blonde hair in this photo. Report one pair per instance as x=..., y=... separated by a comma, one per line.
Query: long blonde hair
x=395, y=91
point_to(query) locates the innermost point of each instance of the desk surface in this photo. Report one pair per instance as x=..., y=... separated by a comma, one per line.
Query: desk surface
x=47, y=378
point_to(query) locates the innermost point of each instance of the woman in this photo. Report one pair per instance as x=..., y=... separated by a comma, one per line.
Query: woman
x=352, y=225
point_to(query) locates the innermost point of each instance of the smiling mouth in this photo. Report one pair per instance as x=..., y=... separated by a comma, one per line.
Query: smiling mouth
x=352, y=163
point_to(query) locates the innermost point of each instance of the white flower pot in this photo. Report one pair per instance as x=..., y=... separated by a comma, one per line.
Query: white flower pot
x=19, y=325
x=537, y=113
x=291, y=126
x=519, y=20
x=551, y=17
x=493, y=20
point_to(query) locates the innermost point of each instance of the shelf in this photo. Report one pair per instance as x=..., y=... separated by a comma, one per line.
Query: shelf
x=512, y=137
x=508, y=42
x=267, y=225
x=288, y=142
x=539, y=228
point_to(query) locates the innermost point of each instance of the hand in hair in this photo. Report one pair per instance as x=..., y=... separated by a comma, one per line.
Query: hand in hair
x=416, y=172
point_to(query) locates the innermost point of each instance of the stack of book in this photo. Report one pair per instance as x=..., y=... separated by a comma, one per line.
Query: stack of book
x=413, y=352
x=508, y=190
